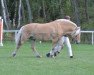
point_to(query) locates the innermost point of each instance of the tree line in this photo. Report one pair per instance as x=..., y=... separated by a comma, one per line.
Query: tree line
x=20, y=12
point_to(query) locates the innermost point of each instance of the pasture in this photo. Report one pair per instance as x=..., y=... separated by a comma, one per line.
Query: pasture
x=25, y=63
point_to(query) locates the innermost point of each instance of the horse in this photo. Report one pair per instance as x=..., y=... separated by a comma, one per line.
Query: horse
x=53, y=31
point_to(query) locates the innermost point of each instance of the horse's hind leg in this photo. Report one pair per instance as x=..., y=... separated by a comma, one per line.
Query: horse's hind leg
x=34, y=49
x=21, y=40
x=16, y=49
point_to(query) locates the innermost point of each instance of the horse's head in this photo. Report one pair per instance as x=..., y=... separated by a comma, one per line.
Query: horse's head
x=76, y=35
x=68, y=25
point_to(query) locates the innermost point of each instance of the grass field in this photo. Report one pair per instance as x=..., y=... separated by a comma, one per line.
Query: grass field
x=25, y=63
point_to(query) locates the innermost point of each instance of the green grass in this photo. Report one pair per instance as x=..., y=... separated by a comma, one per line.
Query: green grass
x=25, y=63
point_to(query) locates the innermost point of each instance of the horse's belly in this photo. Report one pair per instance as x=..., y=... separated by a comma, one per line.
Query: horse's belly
x=43, y=36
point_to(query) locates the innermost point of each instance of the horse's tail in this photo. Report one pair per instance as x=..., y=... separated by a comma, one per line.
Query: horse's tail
x=18, y=36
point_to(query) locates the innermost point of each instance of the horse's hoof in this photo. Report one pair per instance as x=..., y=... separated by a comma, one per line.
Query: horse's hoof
x=39, y=56
x=56, y=53
x=14, y=54
x=52, y=56
x=71, y=56
x=48, y=54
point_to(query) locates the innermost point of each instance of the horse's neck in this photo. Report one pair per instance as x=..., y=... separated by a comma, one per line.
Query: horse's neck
x=69, y=30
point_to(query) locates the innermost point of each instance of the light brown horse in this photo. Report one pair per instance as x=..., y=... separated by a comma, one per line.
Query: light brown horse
x=47, y=31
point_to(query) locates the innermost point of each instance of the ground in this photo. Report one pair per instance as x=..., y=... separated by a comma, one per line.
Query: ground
x=25, y=63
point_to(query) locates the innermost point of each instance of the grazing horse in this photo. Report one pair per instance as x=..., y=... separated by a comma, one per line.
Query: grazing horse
x=46, y=31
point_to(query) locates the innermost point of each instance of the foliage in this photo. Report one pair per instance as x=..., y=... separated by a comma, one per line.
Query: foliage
x=48, y=10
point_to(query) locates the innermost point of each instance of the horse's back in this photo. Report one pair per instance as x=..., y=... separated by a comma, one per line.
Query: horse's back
x=38, y=30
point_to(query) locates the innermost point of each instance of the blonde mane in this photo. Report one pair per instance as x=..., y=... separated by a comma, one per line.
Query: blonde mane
x=65, y=20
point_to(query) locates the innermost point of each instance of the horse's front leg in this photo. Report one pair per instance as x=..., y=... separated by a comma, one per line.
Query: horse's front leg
x=54, y=43
x=34, y=49
x=57, y=46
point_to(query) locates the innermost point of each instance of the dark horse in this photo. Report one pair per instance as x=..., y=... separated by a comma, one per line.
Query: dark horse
x=46, y=31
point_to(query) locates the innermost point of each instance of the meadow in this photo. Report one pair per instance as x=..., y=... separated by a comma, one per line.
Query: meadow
x=25, y=63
